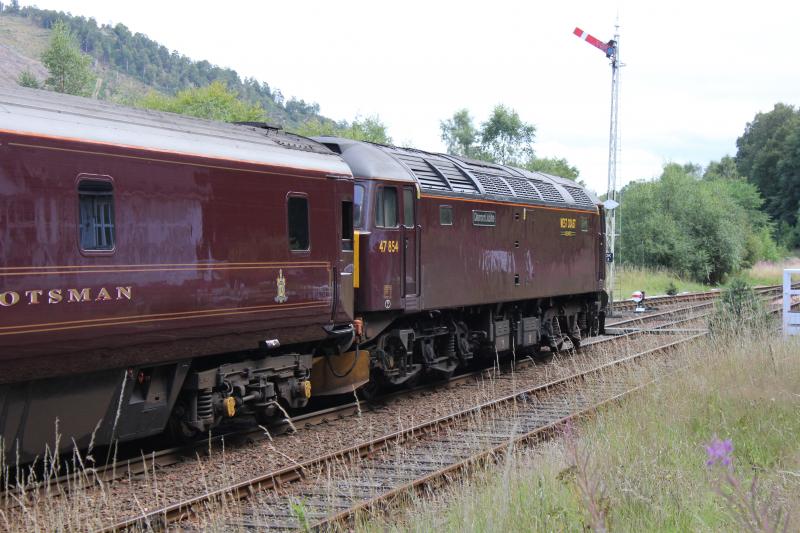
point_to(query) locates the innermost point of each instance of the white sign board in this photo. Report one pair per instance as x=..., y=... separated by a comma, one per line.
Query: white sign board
x=610, y=204
x=791, y=319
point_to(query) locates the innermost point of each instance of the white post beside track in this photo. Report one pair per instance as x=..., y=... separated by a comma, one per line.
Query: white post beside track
x=791, y=319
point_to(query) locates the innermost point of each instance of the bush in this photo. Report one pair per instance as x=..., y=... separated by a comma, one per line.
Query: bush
x=672, y=290
x=738, y=311
x=706, y=229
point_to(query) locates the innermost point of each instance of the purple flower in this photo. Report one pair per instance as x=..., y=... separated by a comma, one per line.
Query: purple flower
x=719, y=452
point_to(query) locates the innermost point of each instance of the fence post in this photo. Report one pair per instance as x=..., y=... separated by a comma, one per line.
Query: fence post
x=791, y=319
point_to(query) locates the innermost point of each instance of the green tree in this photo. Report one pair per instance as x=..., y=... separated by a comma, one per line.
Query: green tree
x=703, y=228
x=505, y=138
x=168, y=72
x=725, y=168
x=768, y=156
x=27, y=79
x=555, y=166
x=315, y=127
x=214, y=101
x=460, y=134
x=370, y=129
x=68, y=67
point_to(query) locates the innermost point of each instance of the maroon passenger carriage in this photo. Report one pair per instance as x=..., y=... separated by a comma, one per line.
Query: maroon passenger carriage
x=136, y=247
x=457, y=258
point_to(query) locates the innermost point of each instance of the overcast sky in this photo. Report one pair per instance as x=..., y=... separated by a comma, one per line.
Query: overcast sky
x=696, y=71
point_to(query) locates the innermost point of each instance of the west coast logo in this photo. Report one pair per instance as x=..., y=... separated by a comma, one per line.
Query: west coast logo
x=57, y=296
x=281, y=284
x=567, y=226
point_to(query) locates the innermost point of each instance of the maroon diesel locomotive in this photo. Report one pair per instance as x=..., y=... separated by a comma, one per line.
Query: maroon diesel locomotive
x=159, y=271
x=457, y=259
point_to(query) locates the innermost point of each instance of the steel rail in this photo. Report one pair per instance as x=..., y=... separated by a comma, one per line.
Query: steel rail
x=690, y=296
x=280, y=478
x=539, y=433
x=283, y=477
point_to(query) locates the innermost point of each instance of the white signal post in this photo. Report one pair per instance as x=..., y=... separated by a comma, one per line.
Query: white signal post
x=611, y=49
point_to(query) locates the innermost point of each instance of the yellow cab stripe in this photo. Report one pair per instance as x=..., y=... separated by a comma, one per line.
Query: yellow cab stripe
x=356, y=239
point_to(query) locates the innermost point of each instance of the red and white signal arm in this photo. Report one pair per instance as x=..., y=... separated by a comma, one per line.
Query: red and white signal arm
x=637, y=296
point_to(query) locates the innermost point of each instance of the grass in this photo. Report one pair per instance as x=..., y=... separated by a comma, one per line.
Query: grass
x=768, y=273
x=652, y=281
x=646, y=457
x=30, y=41
x=656, y=281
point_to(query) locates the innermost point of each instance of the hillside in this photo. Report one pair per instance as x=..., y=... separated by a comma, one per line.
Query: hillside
x=21, y=44
x=131, y=64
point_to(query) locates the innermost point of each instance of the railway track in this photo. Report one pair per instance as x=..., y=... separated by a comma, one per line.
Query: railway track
x=333, y=487
x=168, y=457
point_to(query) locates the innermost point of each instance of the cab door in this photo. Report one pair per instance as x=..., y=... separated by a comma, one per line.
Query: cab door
x=344, y=268
x=410, y=247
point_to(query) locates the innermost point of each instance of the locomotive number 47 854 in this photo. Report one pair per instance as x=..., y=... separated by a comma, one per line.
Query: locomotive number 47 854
x=391, y=247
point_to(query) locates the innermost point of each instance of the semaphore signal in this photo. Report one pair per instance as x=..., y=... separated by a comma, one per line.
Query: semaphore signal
x=611, y=50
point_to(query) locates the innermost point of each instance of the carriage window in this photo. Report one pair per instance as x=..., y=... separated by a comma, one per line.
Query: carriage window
x=408, y=207
x=96, y=206
x=298, y=223
x=358, y=202
x=347, y=226
x=386, y=207
x=445, y=215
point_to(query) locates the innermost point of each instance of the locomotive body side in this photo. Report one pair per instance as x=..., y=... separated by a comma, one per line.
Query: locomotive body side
x=137, y=247
x=461, y=259
x=504, y=252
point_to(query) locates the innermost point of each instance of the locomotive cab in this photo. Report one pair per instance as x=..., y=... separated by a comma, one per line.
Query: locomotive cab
x=388, y=238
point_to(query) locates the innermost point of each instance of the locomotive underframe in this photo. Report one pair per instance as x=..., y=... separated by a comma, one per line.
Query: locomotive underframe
x=188, y=397
x=436, y=343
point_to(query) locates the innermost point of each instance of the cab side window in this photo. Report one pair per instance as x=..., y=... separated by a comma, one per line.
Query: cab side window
x=408, y=207
x=386, y=207
x=358, y=204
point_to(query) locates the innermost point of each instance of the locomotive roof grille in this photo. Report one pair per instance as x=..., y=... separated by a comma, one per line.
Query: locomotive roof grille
x=437, y=172
x=549, y=192
x=580, y=197
x=427, y=175
x=452, y=175
x=494, y=184
x=523, y=188
x=458, y=179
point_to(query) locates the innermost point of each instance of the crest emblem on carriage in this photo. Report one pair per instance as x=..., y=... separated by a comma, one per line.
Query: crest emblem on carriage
x=281, y=284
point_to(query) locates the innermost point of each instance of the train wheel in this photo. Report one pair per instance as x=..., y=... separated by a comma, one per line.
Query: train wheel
x=178, y=429
x=372, y=389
